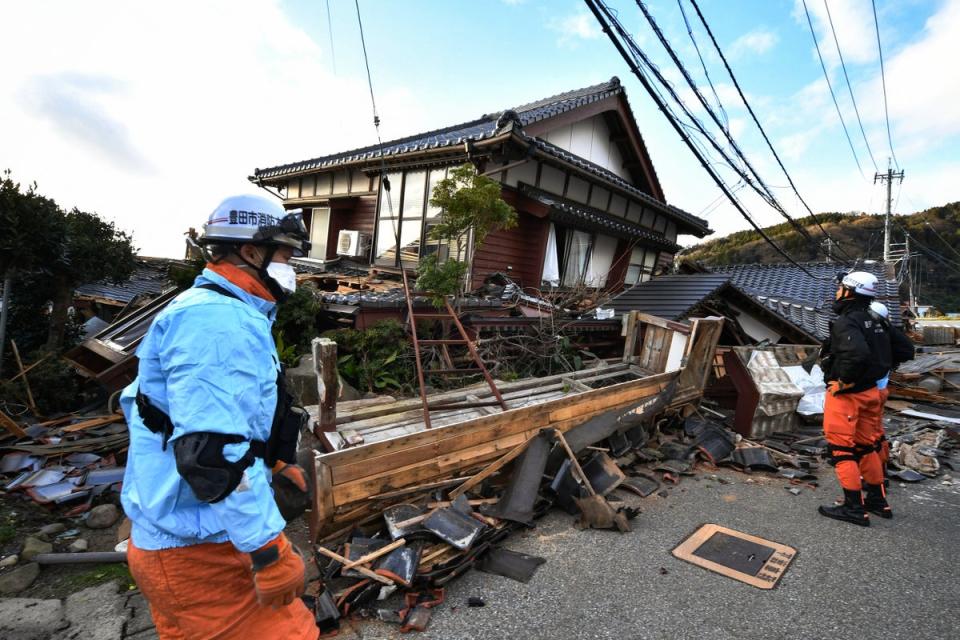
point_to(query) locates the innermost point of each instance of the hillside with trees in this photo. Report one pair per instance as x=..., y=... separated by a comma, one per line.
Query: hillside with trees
x=935, y=243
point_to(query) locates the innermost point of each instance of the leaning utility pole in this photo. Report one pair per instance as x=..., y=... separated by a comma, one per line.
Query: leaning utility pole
x=888, y=177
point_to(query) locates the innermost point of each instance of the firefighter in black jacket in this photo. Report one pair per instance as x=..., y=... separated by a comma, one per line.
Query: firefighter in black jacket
x=857, y=356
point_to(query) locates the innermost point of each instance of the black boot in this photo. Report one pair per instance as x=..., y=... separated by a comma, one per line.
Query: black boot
x=850, y=511
x=875, y=501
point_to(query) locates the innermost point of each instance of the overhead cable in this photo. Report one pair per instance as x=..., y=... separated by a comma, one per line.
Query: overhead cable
x=883, y=80
x=703, y=65
x=610, y=23
x=833, y=95
x=763, y=132
x=333, y=53
x=762, y=189
x=843, y=66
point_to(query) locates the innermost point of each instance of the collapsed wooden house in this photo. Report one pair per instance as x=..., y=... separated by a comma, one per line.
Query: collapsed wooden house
x=397, y=457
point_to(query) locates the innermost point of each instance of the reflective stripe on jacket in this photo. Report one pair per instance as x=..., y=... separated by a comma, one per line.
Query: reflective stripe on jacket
x=209, y=362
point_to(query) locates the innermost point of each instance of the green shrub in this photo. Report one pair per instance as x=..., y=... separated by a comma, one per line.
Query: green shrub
x=378, y=359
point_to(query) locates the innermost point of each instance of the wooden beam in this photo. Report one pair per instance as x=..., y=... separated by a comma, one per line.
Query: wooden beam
x=7, y=423
x=489, y=471
x=363, y=570
x=373, y=555
x=26, y=383
x=328, y=382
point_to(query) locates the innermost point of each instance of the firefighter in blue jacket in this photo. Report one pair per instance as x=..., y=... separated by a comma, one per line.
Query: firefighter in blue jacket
x=210, y=430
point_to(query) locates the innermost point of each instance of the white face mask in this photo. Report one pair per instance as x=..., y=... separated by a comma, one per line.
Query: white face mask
x=284, y=275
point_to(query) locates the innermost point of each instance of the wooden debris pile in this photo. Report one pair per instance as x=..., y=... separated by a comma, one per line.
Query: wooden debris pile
x=68, y=461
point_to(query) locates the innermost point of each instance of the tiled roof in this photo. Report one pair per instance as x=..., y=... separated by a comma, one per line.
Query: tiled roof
x=563, y=210
x=487, y=126
x=670, y=297
x=807, y=301
x=484, y=127
x=674, y=297
x=149, y=279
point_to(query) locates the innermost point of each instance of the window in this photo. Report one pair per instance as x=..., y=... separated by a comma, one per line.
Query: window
x=640, y=268
x=406, y=219
x=578, y=251
x=601, y=258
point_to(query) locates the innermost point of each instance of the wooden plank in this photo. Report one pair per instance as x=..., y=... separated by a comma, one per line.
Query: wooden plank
x=11, y=426
x=366, y=572
x=630, y=330
x=367, y=452
x=657, y=321
x=93, y=422
x=391, y=454
x=373, y=555
x=489, y=471
x=328, y=382
x=323, y=507
x=480, y=390
x=26, y=383
x=396, y=478
x=456, y=461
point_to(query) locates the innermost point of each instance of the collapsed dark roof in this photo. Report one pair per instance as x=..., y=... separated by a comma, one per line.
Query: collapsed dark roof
x=807, y=301
x=489, y=126
x=676, y=297
x=150, y=278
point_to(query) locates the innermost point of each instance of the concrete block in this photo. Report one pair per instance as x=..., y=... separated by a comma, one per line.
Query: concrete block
x=30, y=619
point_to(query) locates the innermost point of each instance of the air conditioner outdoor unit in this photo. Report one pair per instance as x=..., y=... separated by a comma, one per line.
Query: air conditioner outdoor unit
x=353, y=243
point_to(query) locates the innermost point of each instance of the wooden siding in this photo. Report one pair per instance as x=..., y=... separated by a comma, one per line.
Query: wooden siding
x=359, y=215
x=520, y=248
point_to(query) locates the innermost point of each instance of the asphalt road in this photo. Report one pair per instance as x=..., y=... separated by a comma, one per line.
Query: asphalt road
x=896, y=579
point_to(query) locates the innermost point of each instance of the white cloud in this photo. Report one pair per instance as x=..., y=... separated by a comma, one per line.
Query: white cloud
x=574, y=28
x=758, y=42
x=853, y=22
x=150, y=114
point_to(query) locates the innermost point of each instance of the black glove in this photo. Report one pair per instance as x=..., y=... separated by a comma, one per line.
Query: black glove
x=292, y=491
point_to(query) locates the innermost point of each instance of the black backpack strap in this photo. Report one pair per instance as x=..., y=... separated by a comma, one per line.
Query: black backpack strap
x=218, y=289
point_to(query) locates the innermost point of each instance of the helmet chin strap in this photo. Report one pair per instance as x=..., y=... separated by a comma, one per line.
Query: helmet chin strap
x=278, y=292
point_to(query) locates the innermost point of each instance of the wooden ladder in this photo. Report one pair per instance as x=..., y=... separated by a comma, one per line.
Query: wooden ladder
x=464, y=339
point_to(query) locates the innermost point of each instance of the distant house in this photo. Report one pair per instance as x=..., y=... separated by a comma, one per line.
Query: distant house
x=574, y=166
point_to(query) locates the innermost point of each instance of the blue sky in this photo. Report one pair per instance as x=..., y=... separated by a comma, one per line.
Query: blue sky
x=150, y=115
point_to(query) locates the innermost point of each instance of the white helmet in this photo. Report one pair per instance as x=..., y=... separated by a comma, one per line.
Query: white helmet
x=880, y=309
x=861, y=283
x=254, y=219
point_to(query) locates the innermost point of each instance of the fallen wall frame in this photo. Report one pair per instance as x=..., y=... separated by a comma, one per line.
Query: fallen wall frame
x=356, y=483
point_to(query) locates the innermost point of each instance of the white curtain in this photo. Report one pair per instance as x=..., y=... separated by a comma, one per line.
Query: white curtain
x=551, y=261
x=576, y=258
x=600, y=261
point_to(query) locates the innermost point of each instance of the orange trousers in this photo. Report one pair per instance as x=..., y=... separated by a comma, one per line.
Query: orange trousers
x=205, y=592
x=850, y=420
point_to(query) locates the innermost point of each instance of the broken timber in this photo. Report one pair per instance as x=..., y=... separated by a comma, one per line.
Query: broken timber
x=346, y=479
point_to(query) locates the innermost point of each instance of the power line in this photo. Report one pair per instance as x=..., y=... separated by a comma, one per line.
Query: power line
x=763, y=191
x=937, y=233
x=703, y=65
x=756, y=121
x=333, y=53
x=608, y=22
x=833, y=95
x=883, y=79
x=849, y=85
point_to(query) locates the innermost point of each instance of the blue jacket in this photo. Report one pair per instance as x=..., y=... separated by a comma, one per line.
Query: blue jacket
x=209, y=362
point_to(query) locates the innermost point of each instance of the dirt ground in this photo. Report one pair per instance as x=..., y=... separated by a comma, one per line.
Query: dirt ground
x=21, y=517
